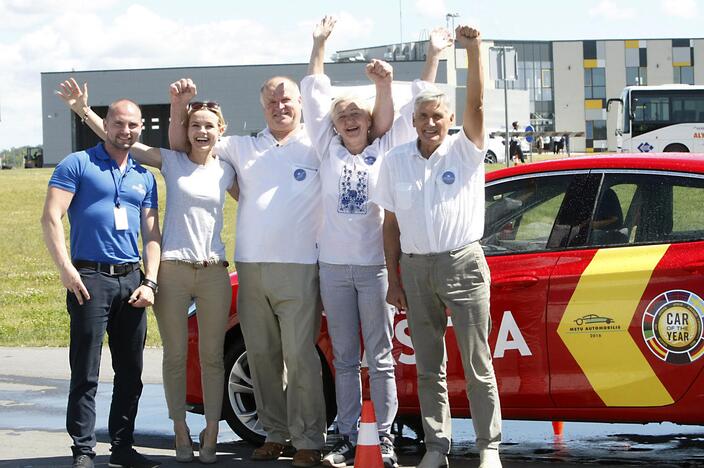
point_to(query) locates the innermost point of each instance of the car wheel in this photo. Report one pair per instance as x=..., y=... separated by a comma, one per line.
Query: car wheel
x=676, y=148
x=579, y=322
x=490, y=157
x=239, y=406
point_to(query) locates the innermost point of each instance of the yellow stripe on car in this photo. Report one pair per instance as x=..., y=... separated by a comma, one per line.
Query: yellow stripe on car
x=595, y=326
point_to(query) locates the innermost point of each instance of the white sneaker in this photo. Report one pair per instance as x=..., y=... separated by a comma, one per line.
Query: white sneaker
x=489, y=458
x=433, y=460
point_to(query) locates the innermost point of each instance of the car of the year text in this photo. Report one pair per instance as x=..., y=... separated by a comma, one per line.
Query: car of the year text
x=597, y=287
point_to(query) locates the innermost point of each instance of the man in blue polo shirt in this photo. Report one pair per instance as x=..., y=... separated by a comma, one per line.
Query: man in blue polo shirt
x=109, y=198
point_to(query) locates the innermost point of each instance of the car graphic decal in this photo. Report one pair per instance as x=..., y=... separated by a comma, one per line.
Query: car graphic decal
x=600, y=359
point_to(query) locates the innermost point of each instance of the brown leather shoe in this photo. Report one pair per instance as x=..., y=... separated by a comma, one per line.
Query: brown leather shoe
x=267, y=452
x=306, y=457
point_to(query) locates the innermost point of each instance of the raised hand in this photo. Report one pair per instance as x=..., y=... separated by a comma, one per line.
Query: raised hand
x=468, y=37
x=73, y=96
x=182, y=91
x=379, y=72
x=440, y=38
x=322, y=30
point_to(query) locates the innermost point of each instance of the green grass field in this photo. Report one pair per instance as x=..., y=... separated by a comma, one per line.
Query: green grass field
x=32, y=299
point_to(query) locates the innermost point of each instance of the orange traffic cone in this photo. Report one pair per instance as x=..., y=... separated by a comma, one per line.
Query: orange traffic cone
x=368, y=452
x=558, y=427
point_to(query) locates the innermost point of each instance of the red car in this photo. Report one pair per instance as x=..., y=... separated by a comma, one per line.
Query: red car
x=596, y=298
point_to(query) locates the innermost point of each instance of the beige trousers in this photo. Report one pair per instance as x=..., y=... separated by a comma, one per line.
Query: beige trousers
x=279, y=309
x=179, y=285
x=458, y=280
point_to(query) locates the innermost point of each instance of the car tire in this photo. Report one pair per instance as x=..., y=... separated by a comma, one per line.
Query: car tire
x=676, y=148
x=239, y=409
x=490, y=157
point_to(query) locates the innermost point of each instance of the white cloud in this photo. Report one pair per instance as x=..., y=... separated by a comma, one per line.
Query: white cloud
x=680, y=8
x=74, y=36
x=611, y=11
x=435, y=9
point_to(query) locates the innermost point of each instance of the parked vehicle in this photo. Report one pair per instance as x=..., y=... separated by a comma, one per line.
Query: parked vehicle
x=495, y=152
x=597, y=294
x=667, y=118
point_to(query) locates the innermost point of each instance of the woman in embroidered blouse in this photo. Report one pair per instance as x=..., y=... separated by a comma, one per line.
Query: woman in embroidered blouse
x=351, y=141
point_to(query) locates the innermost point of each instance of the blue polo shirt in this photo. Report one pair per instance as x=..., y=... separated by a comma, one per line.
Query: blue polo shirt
x=97, y=184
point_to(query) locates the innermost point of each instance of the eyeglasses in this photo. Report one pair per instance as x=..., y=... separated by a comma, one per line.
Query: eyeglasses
x=198, y=105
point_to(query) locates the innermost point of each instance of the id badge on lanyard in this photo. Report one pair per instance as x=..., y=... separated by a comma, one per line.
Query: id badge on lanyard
x=121, y=223
x=120, y=212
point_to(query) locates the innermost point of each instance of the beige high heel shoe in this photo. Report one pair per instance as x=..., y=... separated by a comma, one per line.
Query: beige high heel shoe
x=206, y=455
x=184, y=454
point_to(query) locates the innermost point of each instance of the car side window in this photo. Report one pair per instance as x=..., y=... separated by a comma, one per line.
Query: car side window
x=521, y=213
x=655, y=208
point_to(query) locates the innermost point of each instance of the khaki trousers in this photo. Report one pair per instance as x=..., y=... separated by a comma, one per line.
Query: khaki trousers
x=279, y=310
x=458, y=280
x=180, y=284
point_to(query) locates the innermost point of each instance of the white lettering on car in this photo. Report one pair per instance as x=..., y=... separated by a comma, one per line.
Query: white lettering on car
x=510, y=337
x=403, y=337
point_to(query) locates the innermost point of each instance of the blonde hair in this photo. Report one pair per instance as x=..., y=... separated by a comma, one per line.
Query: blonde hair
x=217, y=111
x=353, y=99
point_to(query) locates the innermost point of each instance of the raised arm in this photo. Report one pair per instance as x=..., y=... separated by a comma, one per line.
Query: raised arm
x=76, y=98
x=440, y=39
x=181, y=92
x=473, y=119
x=320, y=36
x=382, y=75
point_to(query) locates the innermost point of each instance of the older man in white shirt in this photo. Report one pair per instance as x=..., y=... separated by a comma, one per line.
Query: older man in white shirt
x=276, y=253
x=432, y=191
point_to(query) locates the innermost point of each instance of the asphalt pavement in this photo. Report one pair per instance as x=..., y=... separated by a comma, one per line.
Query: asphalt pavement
x=34, y=385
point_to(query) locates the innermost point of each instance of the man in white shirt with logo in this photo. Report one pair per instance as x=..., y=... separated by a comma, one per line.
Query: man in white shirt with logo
x=432, y=191
x=278, y=219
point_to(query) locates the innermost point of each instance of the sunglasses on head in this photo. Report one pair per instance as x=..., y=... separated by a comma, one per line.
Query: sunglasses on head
x=210, y=105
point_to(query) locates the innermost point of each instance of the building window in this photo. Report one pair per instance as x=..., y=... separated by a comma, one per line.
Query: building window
x=683, y=61
x=535, y=74
x=636, y=63
x=636, y=76
x=595, y=83
x=684, y=75
x=595, y=134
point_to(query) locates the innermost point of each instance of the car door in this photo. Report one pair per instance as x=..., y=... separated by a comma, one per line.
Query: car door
x=521, y=216
x=625, y=306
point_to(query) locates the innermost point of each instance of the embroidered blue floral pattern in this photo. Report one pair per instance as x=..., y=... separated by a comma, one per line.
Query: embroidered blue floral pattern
x=354, y=191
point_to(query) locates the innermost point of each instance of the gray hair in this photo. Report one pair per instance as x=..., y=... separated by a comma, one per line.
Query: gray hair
x=275, y=81
x=431, y=95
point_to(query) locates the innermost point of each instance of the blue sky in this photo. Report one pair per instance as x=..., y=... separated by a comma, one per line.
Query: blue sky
x=58, y=35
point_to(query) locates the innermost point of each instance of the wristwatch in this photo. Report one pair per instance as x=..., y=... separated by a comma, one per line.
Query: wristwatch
x=150, y=284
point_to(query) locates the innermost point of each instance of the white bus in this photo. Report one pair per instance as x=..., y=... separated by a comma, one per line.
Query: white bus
x=665, y=118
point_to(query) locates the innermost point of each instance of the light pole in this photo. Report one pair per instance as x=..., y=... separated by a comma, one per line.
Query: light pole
x=504, y=53
x=447, y=22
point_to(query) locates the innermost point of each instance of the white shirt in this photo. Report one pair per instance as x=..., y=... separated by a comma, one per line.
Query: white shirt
x=194, y=204
x=351, y=233
x=439, y=201
x=278, y=216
